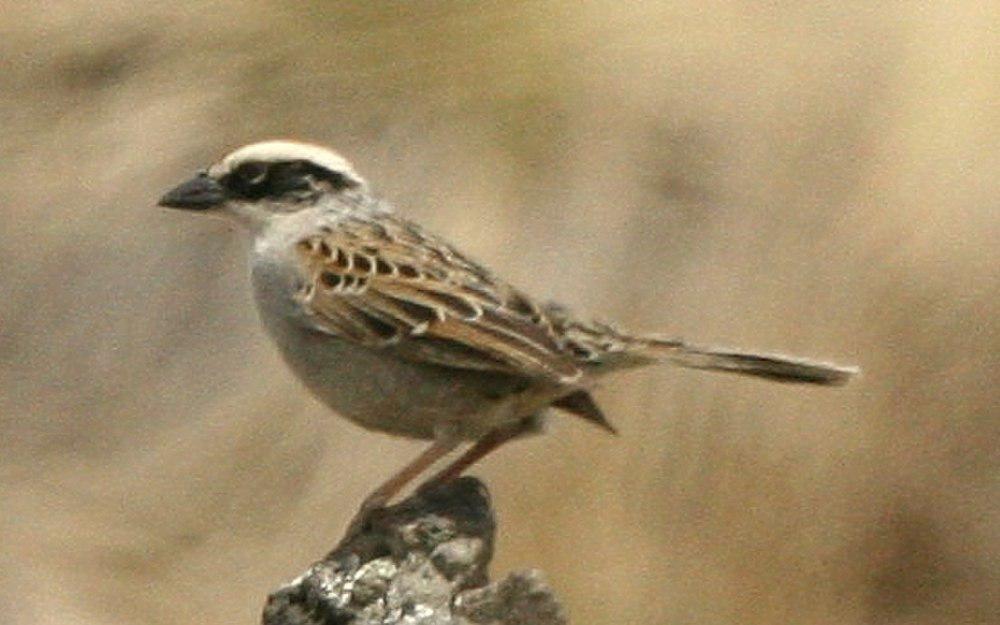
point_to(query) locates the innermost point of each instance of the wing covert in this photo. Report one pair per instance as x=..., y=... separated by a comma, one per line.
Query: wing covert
x=388, y=285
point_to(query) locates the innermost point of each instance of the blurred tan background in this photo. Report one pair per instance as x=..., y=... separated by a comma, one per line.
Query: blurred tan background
x=816, y=178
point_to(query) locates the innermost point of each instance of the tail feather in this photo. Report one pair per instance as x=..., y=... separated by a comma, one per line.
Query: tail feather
x=582, y=404
x=774, y=367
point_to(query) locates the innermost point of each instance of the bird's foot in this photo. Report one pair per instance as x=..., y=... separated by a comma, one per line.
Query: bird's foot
x=361, y=522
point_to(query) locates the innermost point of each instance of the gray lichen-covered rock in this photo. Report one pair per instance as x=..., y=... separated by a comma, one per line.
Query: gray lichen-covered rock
x=421, y=562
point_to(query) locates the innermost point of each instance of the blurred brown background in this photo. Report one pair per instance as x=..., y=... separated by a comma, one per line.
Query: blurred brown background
x=816, y=178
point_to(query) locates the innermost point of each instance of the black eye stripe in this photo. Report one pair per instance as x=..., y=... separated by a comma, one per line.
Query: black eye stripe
x=252, y=172
x=283, y=179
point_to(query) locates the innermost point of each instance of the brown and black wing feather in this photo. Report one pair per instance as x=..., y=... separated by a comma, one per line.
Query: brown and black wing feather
x=387, y=284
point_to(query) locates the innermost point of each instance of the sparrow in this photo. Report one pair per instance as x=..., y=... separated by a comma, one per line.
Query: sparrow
x=399, y=331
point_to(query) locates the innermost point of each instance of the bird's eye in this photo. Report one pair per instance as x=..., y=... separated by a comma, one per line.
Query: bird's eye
x=252, y=173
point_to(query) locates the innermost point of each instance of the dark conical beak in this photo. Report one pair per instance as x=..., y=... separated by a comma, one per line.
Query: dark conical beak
x=198, y=193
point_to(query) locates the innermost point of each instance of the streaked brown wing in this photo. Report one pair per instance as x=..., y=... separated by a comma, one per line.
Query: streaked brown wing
x=386, y=284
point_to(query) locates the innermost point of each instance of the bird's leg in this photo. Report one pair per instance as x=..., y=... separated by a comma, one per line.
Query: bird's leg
x=441, y=447
x=494, y=439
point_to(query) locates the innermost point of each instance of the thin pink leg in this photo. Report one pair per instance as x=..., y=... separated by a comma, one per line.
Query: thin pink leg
x=482, y=447
x=388, y=489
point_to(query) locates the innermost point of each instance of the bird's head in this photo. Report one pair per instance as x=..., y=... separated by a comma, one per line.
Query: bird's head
x=266, y=177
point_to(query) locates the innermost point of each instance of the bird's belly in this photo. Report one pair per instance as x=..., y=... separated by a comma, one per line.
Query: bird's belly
x=379, y=391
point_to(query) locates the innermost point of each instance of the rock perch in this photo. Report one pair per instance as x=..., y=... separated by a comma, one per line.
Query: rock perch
x=421, y=562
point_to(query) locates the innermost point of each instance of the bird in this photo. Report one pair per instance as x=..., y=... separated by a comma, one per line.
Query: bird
x=397, y=330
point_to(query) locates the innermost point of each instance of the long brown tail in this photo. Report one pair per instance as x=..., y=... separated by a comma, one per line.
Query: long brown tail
x=770, y=366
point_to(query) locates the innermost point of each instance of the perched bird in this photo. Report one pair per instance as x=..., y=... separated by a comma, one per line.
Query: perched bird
x=397, y=330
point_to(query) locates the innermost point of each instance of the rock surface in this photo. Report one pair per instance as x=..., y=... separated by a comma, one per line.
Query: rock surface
x=421, y=562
